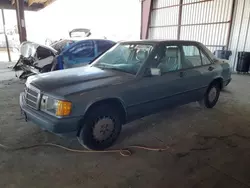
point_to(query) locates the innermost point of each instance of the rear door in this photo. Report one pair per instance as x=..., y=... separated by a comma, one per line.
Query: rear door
x=152, y=93
x=196, y=72
x=210, y=70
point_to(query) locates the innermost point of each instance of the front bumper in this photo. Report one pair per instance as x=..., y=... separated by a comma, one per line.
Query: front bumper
x=21, y=65
x=61, y=126
x=227, y=82
x=30, y=69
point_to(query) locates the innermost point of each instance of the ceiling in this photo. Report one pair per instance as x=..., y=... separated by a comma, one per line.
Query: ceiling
x=32, y=5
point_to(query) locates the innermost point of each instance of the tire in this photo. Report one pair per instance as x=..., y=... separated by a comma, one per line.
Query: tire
x=100, y=128
x=212, y=95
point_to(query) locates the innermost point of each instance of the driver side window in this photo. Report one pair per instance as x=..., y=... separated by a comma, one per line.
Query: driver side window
x=168, y=59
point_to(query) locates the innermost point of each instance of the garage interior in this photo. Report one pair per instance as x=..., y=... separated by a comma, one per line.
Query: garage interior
x=206, y=147
x=219, y=24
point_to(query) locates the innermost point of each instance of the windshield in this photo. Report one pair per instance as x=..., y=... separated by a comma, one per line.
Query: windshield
x=124, y=57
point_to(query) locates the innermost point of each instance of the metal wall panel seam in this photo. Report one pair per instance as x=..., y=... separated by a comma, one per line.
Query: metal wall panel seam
x=248, y=25
x=171, y=6
x=212, y=23
x=241, y=21
x=232, y=15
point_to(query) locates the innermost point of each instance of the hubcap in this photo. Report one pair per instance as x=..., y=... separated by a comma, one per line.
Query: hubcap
x=103, y=128
x=212, y=94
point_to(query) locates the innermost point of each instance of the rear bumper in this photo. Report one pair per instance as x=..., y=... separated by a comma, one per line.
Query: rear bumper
x=61, y=126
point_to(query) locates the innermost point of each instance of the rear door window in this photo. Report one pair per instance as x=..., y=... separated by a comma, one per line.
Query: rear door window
x=192, y=56
x=205, y=60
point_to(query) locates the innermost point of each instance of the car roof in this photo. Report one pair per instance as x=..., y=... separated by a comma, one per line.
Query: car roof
x=156, y=41
x=85, y=38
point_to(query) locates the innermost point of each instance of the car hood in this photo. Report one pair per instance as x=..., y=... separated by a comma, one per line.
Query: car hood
x=69, y=81
x=28, y=49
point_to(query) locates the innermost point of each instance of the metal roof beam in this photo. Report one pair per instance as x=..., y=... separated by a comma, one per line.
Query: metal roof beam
x=146, y=7
x=21, y=20
x=31, y=5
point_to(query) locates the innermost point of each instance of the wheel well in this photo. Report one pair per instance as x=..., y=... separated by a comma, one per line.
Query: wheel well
x=219, y=81
x=114, y=103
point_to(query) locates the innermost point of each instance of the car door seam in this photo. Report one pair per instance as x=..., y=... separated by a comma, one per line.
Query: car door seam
x=165, y=97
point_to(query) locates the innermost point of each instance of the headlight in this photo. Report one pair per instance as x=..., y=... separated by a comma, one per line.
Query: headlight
x=55, y=107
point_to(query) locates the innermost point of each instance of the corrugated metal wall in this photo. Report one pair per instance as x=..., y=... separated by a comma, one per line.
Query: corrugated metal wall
x=240, y=36
x=164, y=18
x=205, y=21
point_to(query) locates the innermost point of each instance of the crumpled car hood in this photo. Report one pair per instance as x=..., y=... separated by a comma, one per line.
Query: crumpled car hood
x=43, y=62
x=28, y=49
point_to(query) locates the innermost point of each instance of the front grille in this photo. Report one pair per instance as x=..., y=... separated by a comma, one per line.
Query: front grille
x=32, y=97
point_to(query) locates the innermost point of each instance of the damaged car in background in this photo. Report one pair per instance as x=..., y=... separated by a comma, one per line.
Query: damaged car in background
x=64, y=54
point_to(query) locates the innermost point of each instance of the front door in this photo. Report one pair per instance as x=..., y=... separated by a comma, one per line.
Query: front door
x=150, y=94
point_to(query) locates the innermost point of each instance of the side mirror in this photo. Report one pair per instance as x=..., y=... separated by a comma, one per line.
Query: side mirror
x=153, y=72
x=216, y=60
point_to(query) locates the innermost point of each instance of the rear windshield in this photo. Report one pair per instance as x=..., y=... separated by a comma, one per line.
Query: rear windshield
x=61, y=44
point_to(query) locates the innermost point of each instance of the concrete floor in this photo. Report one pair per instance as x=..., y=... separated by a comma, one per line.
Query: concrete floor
x=6, y=72
x=4, y=55
x=198, y=156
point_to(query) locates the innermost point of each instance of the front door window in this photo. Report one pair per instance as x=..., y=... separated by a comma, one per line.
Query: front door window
x=168, y=59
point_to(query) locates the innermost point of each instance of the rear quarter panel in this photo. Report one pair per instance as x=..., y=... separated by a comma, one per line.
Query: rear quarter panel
x=226, y=70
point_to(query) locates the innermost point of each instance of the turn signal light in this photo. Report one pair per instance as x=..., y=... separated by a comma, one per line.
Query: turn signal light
x=63, y=108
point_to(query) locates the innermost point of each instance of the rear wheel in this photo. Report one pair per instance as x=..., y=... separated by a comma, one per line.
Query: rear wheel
x=100, y=128
x=212, y=95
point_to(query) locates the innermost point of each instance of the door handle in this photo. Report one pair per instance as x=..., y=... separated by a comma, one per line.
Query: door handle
x=210, y=68
x=182, y=74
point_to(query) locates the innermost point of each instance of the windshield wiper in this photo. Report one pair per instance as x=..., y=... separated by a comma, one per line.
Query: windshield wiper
x=100, y=66
x=117, y=69
x=110, y=67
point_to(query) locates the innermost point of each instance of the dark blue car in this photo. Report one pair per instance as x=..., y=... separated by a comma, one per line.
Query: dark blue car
x=60, y=55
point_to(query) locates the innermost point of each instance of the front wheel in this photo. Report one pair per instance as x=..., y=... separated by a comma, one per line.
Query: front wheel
x=100, y=128
x=211, y=97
